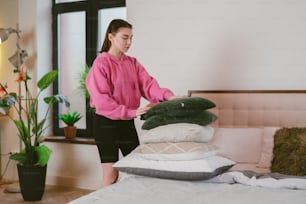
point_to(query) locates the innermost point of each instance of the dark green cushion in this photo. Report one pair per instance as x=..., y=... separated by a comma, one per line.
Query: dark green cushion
x=180, y=107
x=289, y=151
x=201, y=118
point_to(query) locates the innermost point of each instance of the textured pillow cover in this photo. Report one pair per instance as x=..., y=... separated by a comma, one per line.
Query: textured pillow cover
x=201, y=118
x=289, y=151
x=200, y=169
x=180, y=107
x=178, y=132
x=176, y=150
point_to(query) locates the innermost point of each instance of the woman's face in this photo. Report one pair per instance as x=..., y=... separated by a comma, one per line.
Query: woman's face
x=122, y=40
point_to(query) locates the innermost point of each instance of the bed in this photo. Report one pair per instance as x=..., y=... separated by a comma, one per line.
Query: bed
x=237, y=171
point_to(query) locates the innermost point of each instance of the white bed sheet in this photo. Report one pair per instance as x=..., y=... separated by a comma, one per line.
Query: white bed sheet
x=146, y=190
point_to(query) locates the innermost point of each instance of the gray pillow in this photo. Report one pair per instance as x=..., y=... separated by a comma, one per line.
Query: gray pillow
x=188, y=176
x=198, y=169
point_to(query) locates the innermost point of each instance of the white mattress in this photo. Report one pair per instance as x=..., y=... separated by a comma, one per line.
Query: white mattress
x=146, y=190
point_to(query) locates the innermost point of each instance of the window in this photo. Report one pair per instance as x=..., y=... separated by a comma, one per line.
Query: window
x=78, y=31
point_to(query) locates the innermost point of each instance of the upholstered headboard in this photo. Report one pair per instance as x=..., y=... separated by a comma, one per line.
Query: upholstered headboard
x=257, y=108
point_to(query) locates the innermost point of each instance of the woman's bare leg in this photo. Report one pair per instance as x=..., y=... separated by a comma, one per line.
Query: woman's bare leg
x=109, y=174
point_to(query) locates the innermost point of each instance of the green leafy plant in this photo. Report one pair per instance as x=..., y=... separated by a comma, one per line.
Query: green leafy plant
x=30, y=127
x=82, y=87
x=70, y=118
x=82, y=81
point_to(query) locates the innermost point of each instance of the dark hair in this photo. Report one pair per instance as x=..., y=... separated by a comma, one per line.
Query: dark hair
x=113, y=28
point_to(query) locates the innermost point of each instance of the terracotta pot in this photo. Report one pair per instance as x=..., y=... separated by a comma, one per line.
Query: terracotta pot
x=70, y=132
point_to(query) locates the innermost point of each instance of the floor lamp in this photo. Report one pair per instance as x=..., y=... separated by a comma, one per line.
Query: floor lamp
x=16, y=60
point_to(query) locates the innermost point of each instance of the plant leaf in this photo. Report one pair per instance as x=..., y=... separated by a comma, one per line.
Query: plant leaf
x=33, y=109
x=8, y=100
x=82, y=81
x=23, y=130
x=38, y=130
x=43, y=154
x=47, y=79
x=19, y=157
x=57, y=99
x=70, y=118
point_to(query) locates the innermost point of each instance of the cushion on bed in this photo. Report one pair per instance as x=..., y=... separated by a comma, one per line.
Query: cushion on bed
x=175, y=150
x=178, y=132
x=267, y=147
x=289, y=151
x=243, y=145
x=180, y=107
x=200, y=169
x=249, y=167
x=201, y=118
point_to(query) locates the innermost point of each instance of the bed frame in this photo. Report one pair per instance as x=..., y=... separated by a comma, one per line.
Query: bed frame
x=256, y=108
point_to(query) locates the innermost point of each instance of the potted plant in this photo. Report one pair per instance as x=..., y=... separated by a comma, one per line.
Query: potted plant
x=32, y=160
x=70, y=118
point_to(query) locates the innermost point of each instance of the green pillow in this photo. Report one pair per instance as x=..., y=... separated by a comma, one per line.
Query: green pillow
x=201, y=118
x=289, y=151
x=180, y=107
x=173, y=113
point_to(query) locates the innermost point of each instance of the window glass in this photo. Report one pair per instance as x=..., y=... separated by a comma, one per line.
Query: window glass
x=78, y=33
x=71, y=61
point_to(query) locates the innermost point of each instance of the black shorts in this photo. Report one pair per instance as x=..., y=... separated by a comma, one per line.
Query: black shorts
x=112, y=135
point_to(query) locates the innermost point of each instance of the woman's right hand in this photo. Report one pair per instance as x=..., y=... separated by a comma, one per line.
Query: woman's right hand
x=142, y=110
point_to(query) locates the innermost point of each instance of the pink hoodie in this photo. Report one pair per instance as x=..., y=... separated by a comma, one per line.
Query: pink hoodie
x=116, y=86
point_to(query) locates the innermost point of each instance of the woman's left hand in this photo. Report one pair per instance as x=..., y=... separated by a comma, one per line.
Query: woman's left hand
x=176, y=97
x=140, y=111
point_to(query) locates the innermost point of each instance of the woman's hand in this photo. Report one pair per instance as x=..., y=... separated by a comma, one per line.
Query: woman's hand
x=176, y=97
x=141, y=111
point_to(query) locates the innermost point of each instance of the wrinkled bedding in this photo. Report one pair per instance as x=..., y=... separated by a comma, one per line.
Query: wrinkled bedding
x=269, y=180
x=234, y=187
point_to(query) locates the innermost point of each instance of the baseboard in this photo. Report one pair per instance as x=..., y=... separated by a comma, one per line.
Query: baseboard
x=6, y=181
x=92, y=184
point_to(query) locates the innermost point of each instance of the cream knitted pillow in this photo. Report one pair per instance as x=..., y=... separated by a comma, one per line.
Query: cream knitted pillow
x=176, y=150
x=179, y=132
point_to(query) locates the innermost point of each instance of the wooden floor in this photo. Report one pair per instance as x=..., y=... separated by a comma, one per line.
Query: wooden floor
x=52, y=195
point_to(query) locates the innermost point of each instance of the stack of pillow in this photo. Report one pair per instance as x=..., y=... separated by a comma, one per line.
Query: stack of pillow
x=175, y=143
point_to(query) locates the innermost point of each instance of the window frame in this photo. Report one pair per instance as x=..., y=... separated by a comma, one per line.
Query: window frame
x=91, y=8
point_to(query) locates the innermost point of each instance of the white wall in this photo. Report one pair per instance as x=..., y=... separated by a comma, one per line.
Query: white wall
x=8, y=139
x=221, y=44
x=194, y=44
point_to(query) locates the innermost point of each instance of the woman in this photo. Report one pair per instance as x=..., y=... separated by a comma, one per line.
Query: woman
x=116, y=82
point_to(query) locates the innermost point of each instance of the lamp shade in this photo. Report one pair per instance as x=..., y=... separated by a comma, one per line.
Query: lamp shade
x=4, y=33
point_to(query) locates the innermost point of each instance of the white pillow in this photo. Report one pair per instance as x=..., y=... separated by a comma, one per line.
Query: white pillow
x=243, y=145
x=267, y=147
x=178, y=132
x=176, y=150
x=200, y=169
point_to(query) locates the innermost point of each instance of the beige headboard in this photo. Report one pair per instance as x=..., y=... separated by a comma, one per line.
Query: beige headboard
x=257, y=108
